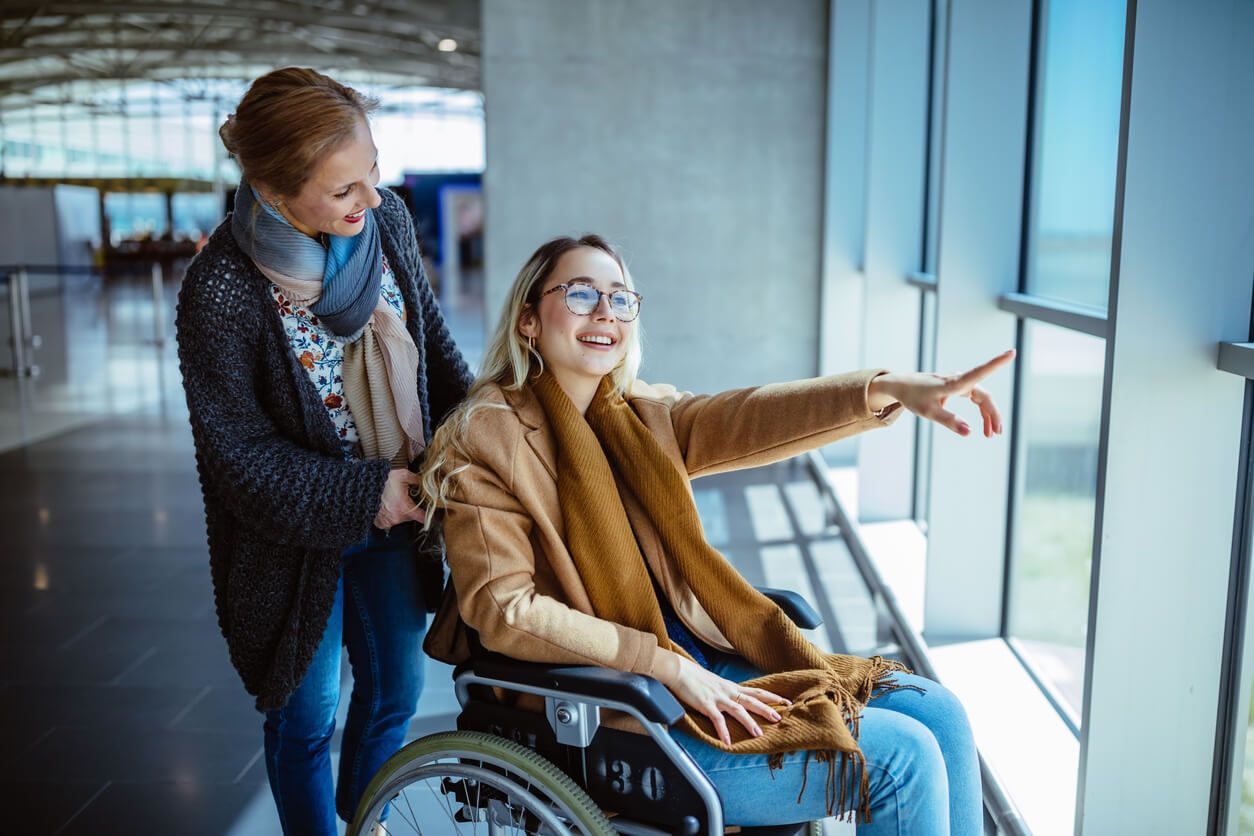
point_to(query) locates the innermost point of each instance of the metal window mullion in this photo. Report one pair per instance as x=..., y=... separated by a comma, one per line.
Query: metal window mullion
x=1082, y=318
x=1227, y=779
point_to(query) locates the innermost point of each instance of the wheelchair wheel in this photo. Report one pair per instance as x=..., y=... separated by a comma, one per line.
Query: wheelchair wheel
x=458, y=782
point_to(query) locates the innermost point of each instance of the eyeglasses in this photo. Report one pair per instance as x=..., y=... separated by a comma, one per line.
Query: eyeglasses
x=583, y=299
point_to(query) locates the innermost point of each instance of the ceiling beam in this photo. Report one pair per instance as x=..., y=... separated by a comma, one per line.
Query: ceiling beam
x=387, y=23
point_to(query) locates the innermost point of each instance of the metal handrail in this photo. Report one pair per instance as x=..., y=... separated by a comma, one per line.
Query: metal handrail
x=51, y=269
x=23, y=338
x=913, y=646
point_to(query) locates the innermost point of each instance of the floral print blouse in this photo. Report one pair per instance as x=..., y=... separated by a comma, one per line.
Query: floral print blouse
x=321, y=352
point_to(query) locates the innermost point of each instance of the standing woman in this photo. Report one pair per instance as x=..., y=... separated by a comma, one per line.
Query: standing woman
x=316, y=364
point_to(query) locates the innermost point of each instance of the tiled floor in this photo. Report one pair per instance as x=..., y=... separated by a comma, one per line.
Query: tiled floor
x=121, y=712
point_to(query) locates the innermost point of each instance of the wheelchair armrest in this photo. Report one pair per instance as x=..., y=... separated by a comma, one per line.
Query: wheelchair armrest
x=643, y=693
x=794, y=606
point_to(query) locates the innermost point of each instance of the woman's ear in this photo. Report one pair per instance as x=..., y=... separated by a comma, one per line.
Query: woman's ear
x=268, y=195
x=528, y=322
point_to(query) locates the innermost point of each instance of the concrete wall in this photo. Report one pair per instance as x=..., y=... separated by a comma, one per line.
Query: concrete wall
x=692, y=135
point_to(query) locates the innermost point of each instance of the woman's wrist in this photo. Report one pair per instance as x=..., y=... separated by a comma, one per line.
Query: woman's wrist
x=880, y=392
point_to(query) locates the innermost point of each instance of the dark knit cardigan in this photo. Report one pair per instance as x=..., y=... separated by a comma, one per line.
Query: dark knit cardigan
x=281, y=500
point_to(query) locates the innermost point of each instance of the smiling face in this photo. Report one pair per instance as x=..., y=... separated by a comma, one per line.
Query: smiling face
x=579, y=350
x=335, y=198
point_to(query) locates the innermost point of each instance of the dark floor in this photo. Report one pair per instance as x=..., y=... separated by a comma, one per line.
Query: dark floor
x=117, y=696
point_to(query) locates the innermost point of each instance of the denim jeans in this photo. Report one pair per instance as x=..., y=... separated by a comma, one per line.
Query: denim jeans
x=921, y=761
x=378, y=614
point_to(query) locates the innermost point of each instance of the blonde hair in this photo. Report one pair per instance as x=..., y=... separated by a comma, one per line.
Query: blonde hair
x=287, y=122
x=510, y=362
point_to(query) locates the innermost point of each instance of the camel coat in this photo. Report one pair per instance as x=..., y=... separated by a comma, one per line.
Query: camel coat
x=514, y=579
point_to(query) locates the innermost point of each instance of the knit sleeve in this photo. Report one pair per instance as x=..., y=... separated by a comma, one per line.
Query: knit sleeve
x=290, y=494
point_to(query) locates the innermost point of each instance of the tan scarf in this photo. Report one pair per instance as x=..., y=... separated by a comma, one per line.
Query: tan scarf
x=828, y=691
x=380, y=372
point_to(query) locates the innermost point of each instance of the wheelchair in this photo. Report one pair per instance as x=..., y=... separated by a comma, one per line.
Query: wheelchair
x=510, y=770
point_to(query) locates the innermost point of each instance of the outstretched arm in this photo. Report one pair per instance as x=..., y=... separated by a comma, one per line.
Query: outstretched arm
x=764, y=424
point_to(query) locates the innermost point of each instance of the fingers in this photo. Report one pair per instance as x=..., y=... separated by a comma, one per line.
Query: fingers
x=720, y=724
x=969, y=379
x=768, y=697
x=947, y=419
x=734, y=707
x=400, y=500
x=758, y=707
x=988, y=411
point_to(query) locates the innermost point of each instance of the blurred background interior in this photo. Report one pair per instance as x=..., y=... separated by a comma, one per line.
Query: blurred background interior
x=799, y=188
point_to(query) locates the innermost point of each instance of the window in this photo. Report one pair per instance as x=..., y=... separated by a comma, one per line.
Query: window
x=136, y=214
x=1074, y=159
x=1080, y=73
x=1056, y=467
x=196, y=214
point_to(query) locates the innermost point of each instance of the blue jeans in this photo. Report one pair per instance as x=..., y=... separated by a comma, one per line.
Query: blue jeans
x=379, y=616
x=921, y=761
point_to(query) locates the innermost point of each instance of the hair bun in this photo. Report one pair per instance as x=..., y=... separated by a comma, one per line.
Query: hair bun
x=227, y=133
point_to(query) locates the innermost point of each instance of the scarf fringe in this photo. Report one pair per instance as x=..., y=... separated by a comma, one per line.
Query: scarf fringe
x=839, y=763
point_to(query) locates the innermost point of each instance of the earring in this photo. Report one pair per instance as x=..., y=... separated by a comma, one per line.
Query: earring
x=531, y=343
x=275, y=204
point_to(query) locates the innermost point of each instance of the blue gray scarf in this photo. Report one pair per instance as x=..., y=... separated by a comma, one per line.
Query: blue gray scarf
x=350, y=268
x=341, y=286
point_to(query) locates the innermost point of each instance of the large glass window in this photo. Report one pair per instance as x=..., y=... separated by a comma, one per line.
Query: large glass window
x=196, y=214
x=132, y=215
x=1080, y=82
x=1060, y=417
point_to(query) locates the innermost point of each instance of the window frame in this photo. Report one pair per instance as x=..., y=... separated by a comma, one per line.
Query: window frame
x=1238, y=651
x=1027, y=307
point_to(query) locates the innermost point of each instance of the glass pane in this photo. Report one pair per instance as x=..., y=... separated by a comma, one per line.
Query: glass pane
x=137, y=215
x=1080, y=90
x=196, y=214
x=1059, y=415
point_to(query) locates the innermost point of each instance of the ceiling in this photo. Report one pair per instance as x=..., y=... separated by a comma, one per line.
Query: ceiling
x=47, y=49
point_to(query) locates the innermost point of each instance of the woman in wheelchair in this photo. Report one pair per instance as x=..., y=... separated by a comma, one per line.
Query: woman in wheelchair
x=573, y=538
